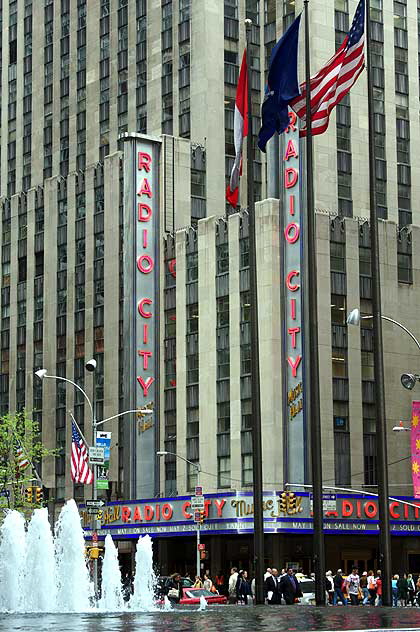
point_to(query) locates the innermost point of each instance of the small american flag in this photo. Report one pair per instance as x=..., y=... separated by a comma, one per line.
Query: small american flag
x=21, y=461
x=80, y=470
x=335, y=79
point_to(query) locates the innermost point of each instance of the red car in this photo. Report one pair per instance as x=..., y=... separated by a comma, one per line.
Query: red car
x=191, y=596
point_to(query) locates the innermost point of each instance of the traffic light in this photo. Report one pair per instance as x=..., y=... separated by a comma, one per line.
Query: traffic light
x=201, y=521
x=94, y=553
x=29, y=495
x=38, y=495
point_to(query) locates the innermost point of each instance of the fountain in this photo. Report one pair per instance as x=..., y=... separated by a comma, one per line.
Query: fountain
x=40, y=572
x=39, y=584
x=74, y=589
x=145, y=579
x=12, y=561
x=111, y=598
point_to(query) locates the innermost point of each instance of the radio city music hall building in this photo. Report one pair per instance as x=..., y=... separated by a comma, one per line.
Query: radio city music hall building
x=72, y=285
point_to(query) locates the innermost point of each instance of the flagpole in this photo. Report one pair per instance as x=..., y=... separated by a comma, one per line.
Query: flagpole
x=255, y=376
x=378, y=358
x=312, y=329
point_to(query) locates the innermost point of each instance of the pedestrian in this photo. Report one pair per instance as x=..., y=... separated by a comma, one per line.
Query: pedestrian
x=371, y=585
x=219, y=581
x=364, y=588
x=402, y=585
x=290, y=588
x=243, y=587
x=411, y=589
x=329, y=586
x=232, y=584
x=394, y=590
x=272, y=588
x=378, y=601
x=267, y=573
x=353, y=583
x=207, y=583
x=174, y=588
x=339, y=585
x=198, y=582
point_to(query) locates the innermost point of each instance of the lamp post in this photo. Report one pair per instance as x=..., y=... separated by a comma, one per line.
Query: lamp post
x=198, y=468
x=408, y=380
x=90, y=366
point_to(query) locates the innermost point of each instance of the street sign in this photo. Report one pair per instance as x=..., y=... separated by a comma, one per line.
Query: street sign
x=92, y=511
x=201, y=547
x=197, y=502
x=96, y=455
x=95, y=503
x=198, y=490
x=329, y=502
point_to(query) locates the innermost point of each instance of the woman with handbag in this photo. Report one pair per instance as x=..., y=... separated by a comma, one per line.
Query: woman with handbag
x=175, y=588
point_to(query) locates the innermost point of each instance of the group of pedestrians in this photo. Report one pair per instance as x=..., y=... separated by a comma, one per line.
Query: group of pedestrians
x=284, y=587
x=366, y=589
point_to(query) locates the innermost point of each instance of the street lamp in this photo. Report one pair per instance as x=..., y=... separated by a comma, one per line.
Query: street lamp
x=400, y=428
x=90, y=366
x=354, y=317
x=198, y=468
x=408, y=380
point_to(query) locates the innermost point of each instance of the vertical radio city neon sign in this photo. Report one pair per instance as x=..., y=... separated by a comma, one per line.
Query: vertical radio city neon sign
x=145, y=266
x=141, y=310
x=291, y=240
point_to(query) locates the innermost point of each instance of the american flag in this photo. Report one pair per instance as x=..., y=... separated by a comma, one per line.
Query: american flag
x=80, y=471
x=21, y=461
x=335, y=79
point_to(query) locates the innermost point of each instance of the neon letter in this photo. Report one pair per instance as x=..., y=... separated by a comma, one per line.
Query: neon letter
x=292, y=232
x=150, y=265
x=142, y=311
x=145, y=189
x=145, y=160
x=147, y=212
x=290, y=177
x=145, y=384
x=145, y=355
x=295, y=286
x=293, y=364
x=290, y=150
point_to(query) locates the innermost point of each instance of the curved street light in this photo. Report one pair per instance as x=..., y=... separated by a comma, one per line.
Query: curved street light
x=90, y=366
x=355, y=317
x=198, y=468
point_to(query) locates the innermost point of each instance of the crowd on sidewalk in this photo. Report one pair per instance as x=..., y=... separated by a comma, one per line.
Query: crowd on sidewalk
x=286, y=587
x=366, y=589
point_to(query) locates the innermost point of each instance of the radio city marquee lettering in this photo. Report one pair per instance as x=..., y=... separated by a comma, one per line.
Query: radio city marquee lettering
x=291, y=244
x=281, y=511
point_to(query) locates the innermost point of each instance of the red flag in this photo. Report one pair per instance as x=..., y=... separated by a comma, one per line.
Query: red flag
x=334, y=80
x=240, y=130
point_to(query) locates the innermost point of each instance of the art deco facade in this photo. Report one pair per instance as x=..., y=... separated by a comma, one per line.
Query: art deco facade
x=77, y=74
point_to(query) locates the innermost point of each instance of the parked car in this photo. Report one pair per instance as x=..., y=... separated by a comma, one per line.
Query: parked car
x=307, y=586
x=191, y=596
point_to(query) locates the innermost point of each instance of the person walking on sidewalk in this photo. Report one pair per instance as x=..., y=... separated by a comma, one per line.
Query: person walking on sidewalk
x=353, y=584
x=339, y=583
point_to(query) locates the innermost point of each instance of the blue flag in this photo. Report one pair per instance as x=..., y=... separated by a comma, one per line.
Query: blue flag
x=282, y=85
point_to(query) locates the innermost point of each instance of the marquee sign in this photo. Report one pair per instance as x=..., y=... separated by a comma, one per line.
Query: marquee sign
x=233, y=513
x=291, y=248
x=141, y=302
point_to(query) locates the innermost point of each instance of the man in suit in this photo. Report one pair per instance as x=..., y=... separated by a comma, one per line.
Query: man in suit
x=272, y=587
x=290, y=587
